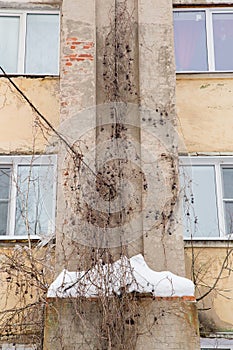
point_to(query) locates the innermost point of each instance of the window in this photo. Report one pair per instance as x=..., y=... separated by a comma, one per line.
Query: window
x=27, y=195
x=207, y=190
x=29, y=42
x=203, y=40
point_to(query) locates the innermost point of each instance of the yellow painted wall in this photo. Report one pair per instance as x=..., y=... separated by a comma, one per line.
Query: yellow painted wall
x=207, y=260
x=24, y=277
x=205, y=121
x=17, y=120
x=205, y=112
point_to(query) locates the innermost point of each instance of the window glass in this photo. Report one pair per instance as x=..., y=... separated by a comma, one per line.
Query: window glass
x=228, y=209
x=200, y=207
x=34, y=200
x=42, y=42
x=227, y=174
x=223, y=40
x=3, y=217
x=4, y=198
x=4, y=182
x=9, y=42
x=190, y=41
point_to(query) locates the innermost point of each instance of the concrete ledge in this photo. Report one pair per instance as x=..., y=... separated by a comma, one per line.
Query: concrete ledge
x=144, y=322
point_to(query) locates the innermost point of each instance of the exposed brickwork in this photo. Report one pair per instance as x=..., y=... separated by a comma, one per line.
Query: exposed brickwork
x=79, y=47
x=77, y=63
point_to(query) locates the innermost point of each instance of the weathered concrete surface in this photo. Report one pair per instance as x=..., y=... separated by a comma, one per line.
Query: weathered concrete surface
x=118, y=82
x=134, y=44
x=173, y=325
x=165, y=323
x=117, y=51
x=163, y=245
x=77, y=93
x=77, y=65
x=204, y=109
x=156, y=55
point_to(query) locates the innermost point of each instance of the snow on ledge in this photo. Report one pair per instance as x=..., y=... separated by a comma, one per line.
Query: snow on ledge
x=131, y=275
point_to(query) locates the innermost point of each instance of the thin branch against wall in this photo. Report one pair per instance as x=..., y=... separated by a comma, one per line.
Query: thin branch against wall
x=202, y=270
x=77, y=156
x=23, y=276
x=35, y=109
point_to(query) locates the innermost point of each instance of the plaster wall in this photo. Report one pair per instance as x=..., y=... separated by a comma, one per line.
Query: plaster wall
x=211, y=262
x=19, y=133
x=22, y=286
x=204, y=110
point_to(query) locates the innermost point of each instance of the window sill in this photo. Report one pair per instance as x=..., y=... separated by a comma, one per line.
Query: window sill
x=11, y=241
x=201, y=75
x=32, y=76
x=219, y=242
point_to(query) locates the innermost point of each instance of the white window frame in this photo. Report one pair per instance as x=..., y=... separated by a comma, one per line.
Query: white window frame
x=216, y=343
x=14, y=162
x=13, y=346
x=22, y=14
x=217, y=162
x=209, y=36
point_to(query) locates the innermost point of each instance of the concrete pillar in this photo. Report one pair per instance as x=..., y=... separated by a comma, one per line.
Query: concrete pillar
x=121, y=193
x=163, y=241
x=77, y=94
x=119, y=53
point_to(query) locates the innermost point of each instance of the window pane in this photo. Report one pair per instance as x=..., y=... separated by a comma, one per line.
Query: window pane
x=9, y=41
x=223, y=40
x=190, y=41
x=42, y=44
x=3, y=217
x=228, y=207
x=227, y=174
x=5, y=174
x=200, y=208
x=34, y=200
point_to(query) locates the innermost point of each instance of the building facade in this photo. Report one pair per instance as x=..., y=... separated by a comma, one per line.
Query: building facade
x=205, y=124
x=99, y=99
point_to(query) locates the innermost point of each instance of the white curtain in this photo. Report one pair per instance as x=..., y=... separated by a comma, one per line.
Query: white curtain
x=42, y=44
x=9, y=41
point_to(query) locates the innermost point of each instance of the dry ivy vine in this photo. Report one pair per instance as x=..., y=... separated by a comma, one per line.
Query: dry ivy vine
x=28, y=271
